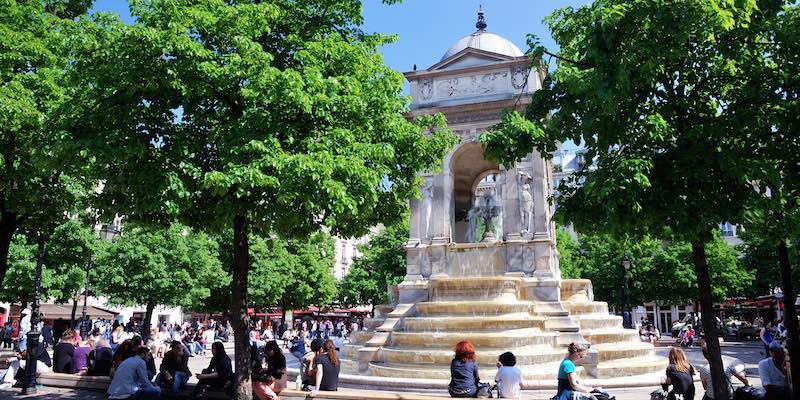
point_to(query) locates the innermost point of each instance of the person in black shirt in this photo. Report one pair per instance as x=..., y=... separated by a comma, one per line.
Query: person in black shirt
x=328, y=367
x=47, y=333
x=680, y=375
x=63, y=353
x=100, y=359
x=174, y=368
x=219, y=373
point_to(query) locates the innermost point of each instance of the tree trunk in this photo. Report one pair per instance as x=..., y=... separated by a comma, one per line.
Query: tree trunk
x=8, y=225
x=74, y=310
x=718, y=377
x=790, y=316
x=283, y=314
x=239, y=303
x=148, y=316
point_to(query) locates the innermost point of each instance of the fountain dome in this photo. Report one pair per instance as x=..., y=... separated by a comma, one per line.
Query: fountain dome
x=485, y=41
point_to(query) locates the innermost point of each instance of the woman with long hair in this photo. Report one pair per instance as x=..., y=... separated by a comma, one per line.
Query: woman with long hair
x=463, y=371
x=328, y=367
x=568, y=386
x=218, y=374
x=268, y=383
x=680, y=374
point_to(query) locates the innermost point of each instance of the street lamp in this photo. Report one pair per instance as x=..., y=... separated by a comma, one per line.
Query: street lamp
x=626, y=264
x=107, y=232
x=32, y=345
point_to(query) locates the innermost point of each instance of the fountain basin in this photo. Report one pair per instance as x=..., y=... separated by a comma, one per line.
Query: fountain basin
x=468, y=323
x=509, y=339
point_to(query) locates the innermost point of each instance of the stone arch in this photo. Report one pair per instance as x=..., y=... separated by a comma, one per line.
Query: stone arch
x=466, y=166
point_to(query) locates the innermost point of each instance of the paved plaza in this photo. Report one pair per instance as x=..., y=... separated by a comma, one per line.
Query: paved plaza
x=749, y=352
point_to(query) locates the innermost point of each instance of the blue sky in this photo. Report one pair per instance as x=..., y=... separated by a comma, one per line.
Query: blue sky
x=427, y=28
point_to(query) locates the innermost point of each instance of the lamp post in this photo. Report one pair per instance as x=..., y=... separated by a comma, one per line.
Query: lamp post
x=107, y=232
x=33, y=334
x=626, y=264
x=84, y=320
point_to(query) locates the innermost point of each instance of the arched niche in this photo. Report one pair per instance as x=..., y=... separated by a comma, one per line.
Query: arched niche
x=469, y=168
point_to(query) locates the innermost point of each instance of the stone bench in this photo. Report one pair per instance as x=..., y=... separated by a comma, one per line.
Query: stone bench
x=100, y=383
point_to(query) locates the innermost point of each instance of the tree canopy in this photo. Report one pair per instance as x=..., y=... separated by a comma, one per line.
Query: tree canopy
x=382, y=263
x=170, y=267
x=35, y=186
x=645, y=85
x=69, y=250
x=272, y=117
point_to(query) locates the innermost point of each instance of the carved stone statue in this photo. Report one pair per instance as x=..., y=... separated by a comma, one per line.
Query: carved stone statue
x=525, y=202
x=427, y=207
x=487, y=209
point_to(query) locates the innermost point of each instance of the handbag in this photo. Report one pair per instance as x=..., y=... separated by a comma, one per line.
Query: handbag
x=484, y=391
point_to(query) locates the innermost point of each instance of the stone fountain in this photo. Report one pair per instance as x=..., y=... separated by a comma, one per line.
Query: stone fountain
x=482, y=264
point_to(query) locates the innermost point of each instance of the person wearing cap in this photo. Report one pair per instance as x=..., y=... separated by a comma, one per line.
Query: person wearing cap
x=772, y=371
x=308, y=366
x=24, y=328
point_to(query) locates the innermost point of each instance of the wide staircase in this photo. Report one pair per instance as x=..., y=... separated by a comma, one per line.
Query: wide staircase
x=490, y=313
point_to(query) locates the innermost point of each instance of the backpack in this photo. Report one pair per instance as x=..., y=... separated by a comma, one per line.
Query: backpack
x=748, y=393
x=659, y=394
x=602, y=395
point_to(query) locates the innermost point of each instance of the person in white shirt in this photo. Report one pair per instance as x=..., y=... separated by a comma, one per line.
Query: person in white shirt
x=732, y=366
x=508, y=377
x=772, y=371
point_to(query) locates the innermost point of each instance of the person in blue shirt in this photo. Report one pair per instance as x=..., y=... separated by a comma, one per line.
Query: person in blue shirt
x=131, y=379
x=568, y=386
x=464, y=378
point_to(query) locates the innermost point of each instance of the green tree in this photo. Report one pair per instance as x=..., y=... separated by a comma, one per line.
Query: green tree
x=311, y=280
x=645, y=85
x=71, y=246
x=272, y=117
x=759, y=255
x=567, y=249
x=382, y=263
x=766, y=115
x=34, y=188
x=287, y=274
x=170, y=267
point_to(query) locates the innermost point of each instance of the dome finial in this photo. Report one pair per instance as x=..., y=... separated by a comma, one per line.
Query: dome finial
x=481, y=24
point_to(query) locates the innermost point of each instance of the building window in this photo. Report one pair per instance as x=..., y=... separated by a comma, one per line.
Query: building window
x=727, y=229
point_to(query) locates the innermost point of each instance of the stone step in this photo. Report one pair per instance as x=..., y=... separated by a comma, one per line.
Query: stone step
x=561, y=324
x=446, y=324
x=617, y=351
x=372, y=323
x=478, y=309
x=587, y=307
x=587, y=322
x=547, y=371
x=526, y=356
x=600, y=336
x=508, y=339
x=550, y=309
x=631, y=366
x=361, y=336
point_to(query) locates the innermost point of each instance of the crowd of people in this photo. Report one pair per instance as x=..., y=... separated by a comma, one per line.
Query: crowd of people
x=678, y=382
x=122, y=353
